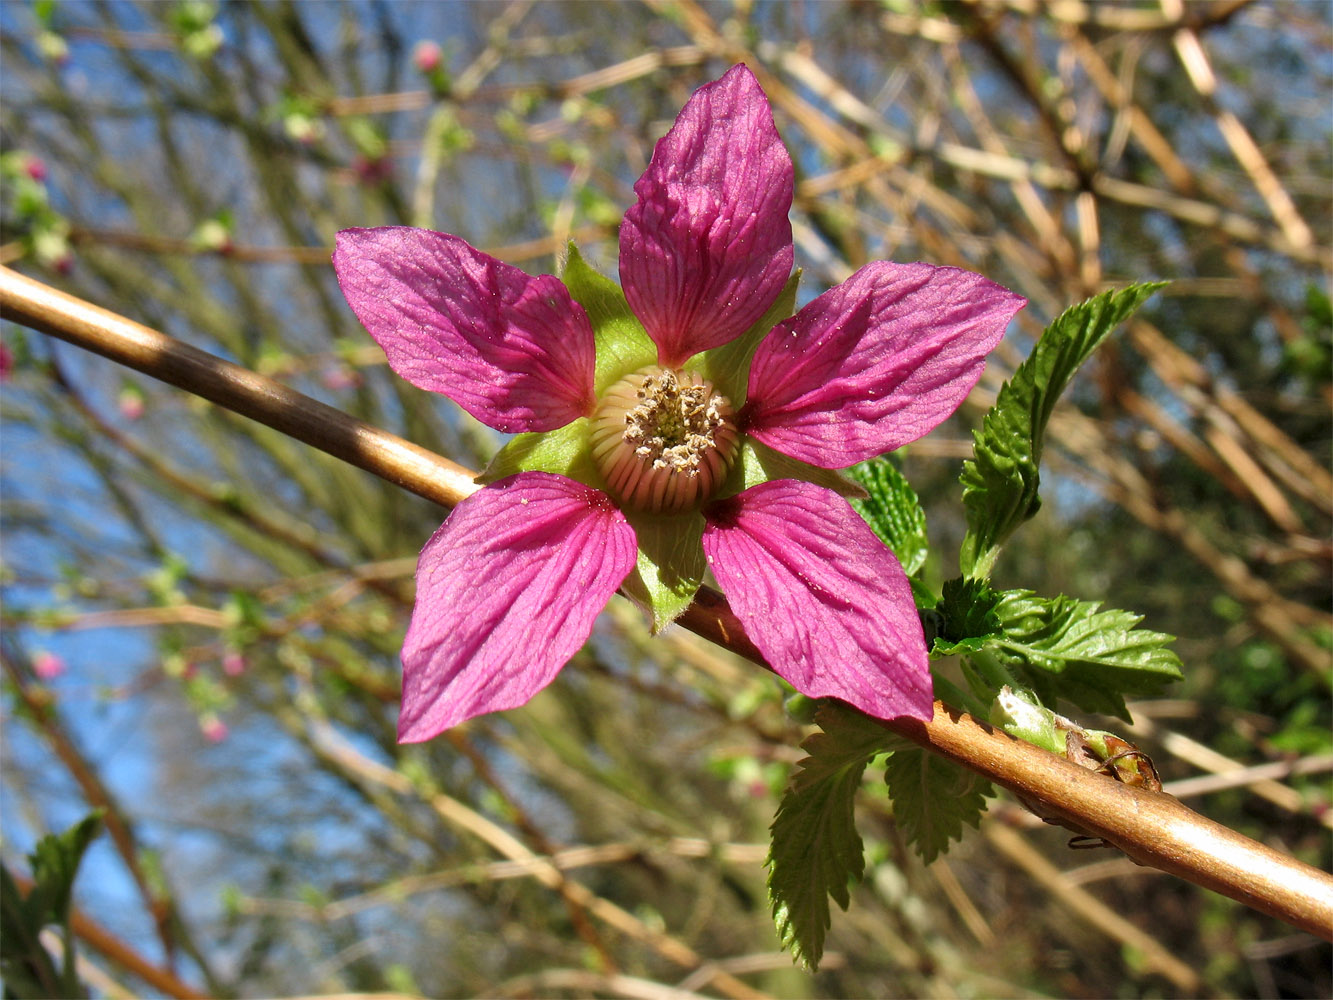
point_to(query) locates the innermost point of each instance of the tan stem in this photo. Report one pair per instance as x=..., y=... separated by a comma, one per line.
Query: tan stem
x=1152, y=828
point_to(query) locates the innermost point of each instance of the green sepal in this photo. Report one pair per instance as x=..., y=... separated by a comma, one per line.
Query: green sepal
x=623, y=346
x=728, y=366
x=757, y=463
x=892, y=510
x=670, y=566
x=563, y=451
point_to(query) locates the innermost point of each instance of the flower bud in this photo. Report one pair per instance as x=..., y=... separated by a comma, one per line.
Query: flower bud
x=427, y=56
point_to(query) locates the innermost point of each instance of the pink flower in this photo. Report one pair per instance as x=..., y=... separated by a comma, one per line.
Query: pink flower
x=233, y=663
x=372, y=170
x=47, y=666
x=340, y=376
x=648, y=439
x=427, y=56
x=214, y=729
x=131, y=402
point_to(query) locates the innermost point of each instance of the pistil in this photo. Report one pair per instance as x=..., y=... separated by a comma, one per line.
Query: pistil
x=664, y=439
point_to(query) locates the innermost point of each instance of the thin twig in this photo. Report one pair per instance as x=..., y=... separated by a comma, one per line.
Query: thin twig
x=1015, y=847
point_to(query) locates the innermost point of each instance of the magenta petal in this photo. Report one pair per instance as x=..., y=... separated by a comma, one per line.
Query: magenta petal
x=823, y=599
x=707, y=247
x=507, y=591
x=876, y=362
x=512, y=349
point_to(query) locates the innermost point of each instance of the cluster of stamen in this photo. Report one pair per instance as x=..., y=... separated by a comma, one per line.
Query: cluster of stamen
x=663, y=439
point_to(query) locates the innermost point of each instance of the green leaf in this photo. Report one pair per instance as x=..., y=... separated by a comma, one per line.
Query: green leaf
x=24, y=963
x=728, y=366
x=757, y=463
x=55, y=861
x=623, y=346
x=1001, y=480
x=892, y=510
x=1068, y=649
x=671, y=563
x=563, y=451
x=933, y=798
x=816, y=852
x=967, y=618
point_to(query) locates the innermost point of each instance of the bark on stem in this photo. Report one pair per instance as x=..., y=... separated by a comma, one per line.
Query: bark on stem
x=1152, y=828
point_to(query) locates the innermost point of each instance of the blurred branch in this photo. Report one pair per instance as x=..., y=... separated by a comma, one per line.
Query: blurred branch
x=1246, y=150
x=157, y=900
x=582, y=981
x=543, y=246
x=1284, y=621
x=115, y=950
x=566, y=859
x=1227, y=773
x=1017, y=849
x=607, y=76
x=1255, y=776
x=460, y=816
x=1152, y=828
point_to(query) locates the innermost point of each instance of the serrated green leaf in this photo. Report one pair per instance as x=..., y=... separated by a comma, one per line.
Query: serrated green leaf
x=933, y=798
x=892, y=510
x=25, y=965
x=1001, y=480
x=816, y=852
x=1068, y=649
x=623, y=346
x=967, y=617
x=728, y=366
x=670, y=566
x=55, y=862
x=563, y=451
x=961, y=647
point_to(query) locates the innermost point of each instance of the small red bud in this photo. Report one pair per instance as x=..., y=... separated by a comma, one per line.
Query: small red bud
x=48, y=666
x=427, y=56
x=213, y=728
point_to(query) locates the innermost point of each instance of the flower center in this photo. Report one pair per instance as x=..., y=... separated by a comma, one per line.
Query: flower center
x=664, y=439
